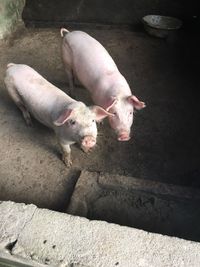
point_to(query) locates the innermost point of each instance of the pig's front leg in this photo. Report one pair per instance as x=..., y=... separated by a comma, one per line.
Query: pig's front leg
x=66, y=153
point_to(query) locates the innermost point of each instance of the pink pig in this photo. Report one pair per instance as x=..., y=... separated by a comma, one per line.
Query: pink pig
x=72, y=121
x=88, y=60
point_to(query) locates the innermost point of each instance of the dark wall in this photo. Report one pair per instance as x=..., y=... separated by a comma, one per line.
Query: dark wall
x=102, y=11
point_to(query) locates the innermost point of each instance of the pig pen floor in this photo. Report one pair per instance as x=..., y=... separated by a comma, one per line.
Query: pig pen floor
x=165, y=142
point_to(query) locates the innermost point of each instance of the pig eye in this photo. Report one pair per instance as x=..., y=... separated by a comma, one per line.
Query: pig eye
x=131, y=113
x=115, y=113
x=93, y=120
x=72, y=122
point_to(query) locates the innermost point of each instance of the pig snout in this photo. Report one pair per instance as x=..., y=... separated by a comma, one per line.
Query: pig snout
x=88, y=142
x=123, y=136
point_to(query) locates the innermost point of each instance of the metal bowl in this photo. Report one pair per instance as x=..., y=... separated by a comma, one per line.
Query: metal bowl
x=160, y=26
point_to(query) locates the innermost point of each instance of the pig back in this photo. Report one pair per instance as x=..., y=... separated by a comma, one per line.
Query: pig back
x=90, y=59
x=41, y=98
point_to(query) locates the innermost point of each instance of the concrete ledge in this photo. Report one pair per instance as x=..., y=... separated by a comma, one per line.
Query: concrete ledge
x=9, y=260
x=58, y=239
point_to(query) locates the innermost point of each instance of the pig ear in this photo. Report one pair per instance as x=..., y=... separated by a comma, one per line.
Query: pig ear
x=100, y=113
x=64, y=116
x=136, y=102
x=111, y=102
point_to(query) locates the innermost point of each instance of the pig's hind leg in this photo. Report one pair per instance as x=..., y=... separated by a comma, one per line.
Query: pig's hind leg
x=25, y=113
x=18, y=101
x=70, y=76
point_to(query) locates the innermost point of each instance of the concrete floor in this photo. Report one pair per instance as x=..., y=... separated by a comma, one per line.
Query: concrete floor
x=165, y=143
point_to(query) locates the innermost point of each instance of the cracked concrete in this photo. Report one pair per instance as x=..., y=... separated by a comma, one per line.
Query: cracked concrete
x=147, y=205
x=57, y=239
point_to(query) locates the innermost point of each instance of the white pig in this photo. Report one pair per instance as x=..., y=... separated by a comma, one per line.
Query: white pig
x=88, y=60
x=71, y=120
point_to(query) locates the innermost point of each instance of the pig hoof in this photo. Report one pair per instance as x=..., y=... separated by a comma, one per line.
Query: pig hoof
x=29, y=123
x=86, y=150
x=67, y=161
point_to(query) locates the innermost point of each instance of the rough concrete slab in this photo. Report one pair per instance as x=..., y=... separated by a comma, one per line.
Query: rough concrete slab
x=148, y=205
x=13, y=218
x=58, y=239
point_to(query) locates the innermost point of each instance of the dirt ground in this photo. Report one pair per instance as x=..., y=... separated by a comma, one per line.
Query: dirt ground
x=165, y=142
